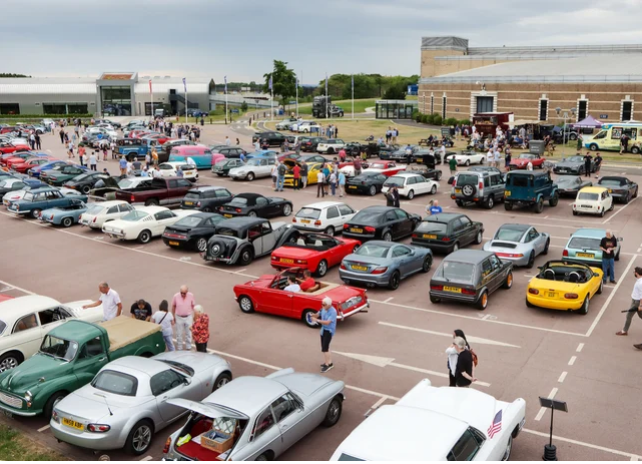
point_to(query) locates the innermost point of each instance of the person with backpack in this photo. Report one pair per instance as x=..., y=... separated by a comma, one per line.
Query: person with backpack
x=280, y=171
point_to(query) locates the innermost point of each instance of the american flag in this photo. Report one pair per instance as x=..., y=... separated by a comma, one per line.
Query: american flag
x=496, y=426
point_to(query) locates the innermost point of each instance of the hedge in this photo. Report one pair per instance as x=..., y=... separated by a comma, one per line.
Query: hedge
x=45, y=116
x=436, y=120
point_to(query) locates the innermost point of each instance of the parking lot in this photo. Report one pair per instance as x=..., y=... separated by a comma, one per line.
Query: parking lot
x=523, y=352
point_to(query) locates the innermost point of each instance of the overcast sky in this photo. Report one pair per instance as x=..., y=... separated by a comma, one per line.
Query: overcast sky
x=240, y=38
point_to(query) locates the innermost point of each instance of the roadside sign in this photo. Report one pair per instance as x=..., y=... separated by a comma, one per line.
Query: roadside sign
x=234, y=110
x=292, y=102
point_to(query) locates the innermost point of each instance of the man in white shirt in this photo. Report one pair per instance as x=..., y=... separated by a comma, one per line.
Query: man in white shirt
x=636, y=304
x=228, y=142
x=529, y=166
x=498, y=158
x=112, y=307
x=490, y=157
x=293, y=285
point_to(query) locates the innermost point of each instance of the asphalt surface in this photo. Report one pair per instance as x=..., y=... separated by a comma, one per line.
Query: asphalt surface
x=523, y=352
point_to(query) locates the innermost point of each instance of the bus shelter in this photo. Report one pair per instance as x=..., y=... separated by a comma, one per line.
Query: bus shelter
x=395, y=109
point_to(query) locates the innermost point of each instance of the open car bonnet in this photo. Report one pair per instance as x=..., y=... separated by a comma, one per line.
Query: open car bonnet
x=207, y=409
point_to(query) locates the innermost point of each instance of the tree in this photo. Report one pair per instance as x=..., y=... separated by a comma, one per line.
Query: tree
x=244, y=106
x=283, y=81
x=12, y=75
x=396, y=91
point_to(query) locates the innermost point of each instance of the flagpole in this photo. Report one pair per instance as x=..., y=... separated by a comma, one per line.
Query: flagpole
x=185, y=85
x=151, y=100
x=225, y=99
x=353, y=96
x=327, y=102
x=297, y=97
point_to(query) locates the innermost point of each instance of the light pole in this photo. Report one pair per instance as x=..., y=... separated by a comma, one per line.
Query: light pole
x=566, y=117
x=424, y=98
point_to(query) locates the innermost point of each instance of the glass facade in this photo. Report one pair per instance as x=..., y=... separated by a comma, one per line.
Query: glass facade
x=65, y=108
x=9, y=108
x=116, y=100
x=394, y=110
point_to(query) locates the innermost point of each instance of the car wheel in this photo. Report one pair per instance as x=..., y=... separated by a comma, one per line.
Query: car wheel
x=435, y=300
x=575, y=213
x=395, y=280
x=35, y=213
x=85, y=189
x=433, y=190
x=250, y=176
x=531, y=260
x=51, y=404
x=627, y=198
x=333, y=414
x=246, y=305
x=287, y=209
x=322, y=268
x=482, y=303
x=387, y=237
x=455, y=247
x=438, y=176
x=222, y=380
x=251, y=214
x=145, y=236
x=201, y=245
x=467, y=163
x=479, y=237
x=635, y=195
x=411, y=195
x=548, y=244
x=67, y=222
x=459, y=203
x=427, y=264
x=372, y=190
x=508, y=206
x=554, y=199
x=10, y=360
x=529, y=304
x=593, y=147
x=601, y=288
x=538, y=207
x=151, y=202
x=603, y=212
x=509, y=449
x=508, y=283
x=585, y=306
x=306, y=317
x=329, y=230
x=247, y=255
x=139, y=438
x=267, y=456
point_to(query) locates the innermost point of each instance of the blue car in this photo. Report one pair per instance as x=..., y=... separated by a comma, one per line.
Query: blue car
x=584, y=246
x=65, y=216
x=35, y=172
x=261, y=154
x=40, y=199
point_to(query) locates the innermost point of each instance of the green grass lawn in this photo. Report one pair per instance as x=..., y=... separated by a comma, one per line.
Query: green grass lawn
x=16, y=447
x=218, y=116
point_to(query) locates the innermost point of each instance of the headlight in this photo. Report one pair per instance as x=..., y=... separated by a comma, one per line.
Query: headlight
x=28, y=396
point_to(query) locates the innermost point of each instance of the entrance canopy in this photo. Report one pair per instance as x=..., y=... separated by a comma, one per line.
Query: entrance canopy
x=589, y=122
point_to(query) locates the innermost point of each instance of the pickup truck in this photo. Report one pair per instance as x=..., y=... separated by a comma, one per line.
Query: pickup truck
x=160, y=191
x=69, y=357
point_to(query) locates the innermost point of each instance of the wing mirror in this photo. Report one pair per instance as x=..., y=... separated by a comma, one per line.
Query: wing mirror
x=620, y=239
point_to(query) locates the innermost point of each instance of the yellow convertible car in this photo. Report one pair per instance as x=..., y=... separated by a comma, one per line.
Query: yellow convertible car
x=313, y=171
x=565, y=286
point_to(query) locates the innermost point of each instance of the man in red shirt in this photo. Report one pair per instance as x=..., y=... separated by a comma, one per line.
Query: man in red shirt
x=297, y=176
x=308, y=284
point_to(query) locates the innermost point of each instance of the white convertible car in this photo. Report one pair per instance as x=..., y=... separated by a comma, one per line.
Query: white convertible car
x=437, y=424
x=25, y=321
x=98, y=214
x=144, y=223
x=466, y=158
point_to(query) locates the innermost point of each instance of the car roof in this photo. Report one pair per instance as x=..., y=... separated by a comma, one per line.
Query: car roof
x=468, y=256
x=151, y=209
x=593, y=233
x=324, y=204
x=443, y=217
x=206, y=188
x=110, y=203
x=514, y=226
x=618, y=178
x=43, y=189
x=243, y=222
x=594, y=189
x=250, y=195
x=249, y=394
x=26, y=304
x=378, y=208
x=528, y=173
x=407, y=174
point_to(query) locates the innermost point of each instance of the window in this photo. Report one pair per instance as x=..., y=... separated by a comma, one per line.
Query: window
x=161, y=215
x=485, y=104
x=11, y=108
x=263, y=423
x=495, y=179
x=401, y=214
x=222, y=193
x=443, y=107
x=283, y=407
x=26, y=323
x=627, y=111
x=486, y=267
x=254, y=232
x=333, y=212
x=532, y=235
x=391, y=216
x=400, y=251
x=345, y=210
x=52, y=315
x=261, y=201
x=164, y=382
x=113, y=210
x=266, y=228
x=465, y=221
x=466, y=448
x=116, y=383
x=543, y=109
x=582, y=108
x=494, y=261
x=124, y=208
x=92, y=348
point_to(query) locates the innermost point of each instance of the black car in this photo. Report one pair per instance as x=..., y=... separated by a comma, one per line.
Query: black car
x=381, y=223
x=253, y=204
x=207, y=198
x=426, y=172
x=230, y=152
x=273, y=138
x=384, y=151
x=192, y=231
x=85, y=182
x=401, y=155
x=310, y=144
x=621, y=188
x=354, y=148
x=469, y=276
x=447, y=232
x=569, y=185
x=222, y=168
x=369, y=183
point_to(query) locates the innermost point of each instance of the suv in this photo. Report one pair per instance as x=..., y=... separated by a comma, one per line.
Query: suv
x=273, y=138
x=530, y=188
x=482, y=187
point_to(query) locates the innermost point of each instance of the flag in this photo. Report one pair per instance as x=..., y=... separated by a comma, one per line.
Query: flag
x=352, y=80
x=270, y=84
x=496, y=426
x=185, y=85
x=225, y=79
x=150, y=86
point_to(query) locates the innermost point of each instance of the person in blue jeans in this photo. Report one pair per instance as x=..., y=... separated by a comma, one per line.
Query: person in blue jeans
x=280, y=176
x=327, y=317
x=608, y=245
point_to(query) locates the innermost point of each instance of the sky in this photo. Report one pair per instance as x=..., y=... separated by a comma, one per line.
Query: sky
x=240, y=38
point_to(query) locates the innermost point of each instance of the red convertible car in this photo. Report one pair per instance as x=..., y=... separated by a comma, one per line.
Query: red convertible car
x=266, y=295
x=387, y=168
x=29, y=163
x=316, y=252
x=521, y=162
x=6, y=148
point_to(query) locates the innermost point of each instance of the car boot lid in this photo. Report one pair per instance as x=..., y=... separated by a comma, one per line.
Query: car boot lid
x=207, y=409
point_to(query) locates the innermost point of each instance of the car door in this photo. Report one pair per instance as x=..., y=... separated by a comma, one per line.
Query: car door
x=263, y=208
x=265, y=435
x=26, y=335
x=498, y=272
x=346, y=213
x=467, y=230
x=268, y=237
x=254, y=237
x=276, y=301
x=169, y=385
x=404, y=256
x=56, y=198
x=182, y=187
x=161, y=220
x=333, y=218
x=293, y=420
x=91, y=358
x=405, y=225
x=537, y=240
x=393, y=224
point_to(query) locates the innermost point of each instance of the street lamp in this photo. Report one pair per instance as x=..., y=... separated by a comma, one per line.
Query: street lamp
x=424, y=98
x=566, y=117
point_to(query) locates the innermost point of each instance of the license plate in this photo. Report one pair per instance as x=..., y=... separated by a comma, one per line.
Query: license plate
x=352, y=186
x=227, y=215
x=452, y=289
x=359, y=268
x=356, y=231
x=72, y=424
x=551, y=294
x=585, y=255
x=507, y=193
x=457, y=190
x=305, y=221
x=429, y=236
x=189, y=203
x=287, y=261
x=174, y=243
x=420, y=160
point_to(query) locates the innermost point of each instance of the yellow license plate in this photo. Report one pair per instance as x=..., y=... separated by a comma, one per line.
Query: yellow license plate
x=551, y=294
x=430, y=236
x=356, y=231
x=287, y=261
x=189, y=203
x=420, y=160
x=72, y=424
x=352, y=186
x=305, y=221
x=452, y=289
x=507, y=193
x=457, y=190
x=227, y=215
x=174, y=243
x=359, y=268
x=610, y=191
x=585, y=255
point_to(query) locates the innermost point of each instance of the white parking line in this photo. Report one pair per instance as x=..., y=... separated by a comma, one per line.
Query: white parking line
x=543, y=410
x=16, y=287
x=388, y=300
x=619, y=211
x=562, y=377
x=572, y=360
x=42, y=429
x=147, y=458
x=478, y=340
x=580, y=347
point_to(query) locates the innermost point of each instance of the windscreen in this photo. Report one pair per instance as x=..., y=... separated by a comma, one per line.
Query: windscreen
x=189, y=221
x=432, y=227
x=588, y=196
x=454, y=271
x=134, y=216
x=376, y=251
x=509, y=235
x=367, y=217
x=394, y=180
x=584, y=243
x=464, y=179
x=309, y=213
x=95, y=209
x=59, y=348
x=238, y=201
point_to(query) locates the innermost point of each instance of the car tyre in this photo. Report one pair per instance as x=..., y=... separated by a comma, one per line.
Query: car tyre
x=201, y=245
x=287, y=209
x=246, y=256
x=145, y=236
x=435, y=300
x=395, y=280
x=223, y=379
x=329, y=231
x=51, y=404
x=575, y=213
x=479, y=238
x=548, y=244
x=372, y=190
x=10, y=360
x=482, y=303
x=333, y=414
x=554, y=199
x=490, y=202
x=531, y=260
x=307, y=320
x=467, y=162
x=140, y=438
x=251, y=214
x=427, y=264
x=67, y=222
x=85, y=189
x=593, y=147
x=411, y=195
x=433, y=189
x=35, y=213
x=529, y=304
x=459, y=203
x=508, y=206
x=322, y=268
x=509, y=449
x=627, y=198
x=585, y=306
x=603, y=212
x=246, y=304
x=455, y=247
x=151, y=202
x=508, y=283
x=250, y=176
x=538, y=207
x=387, y=237
x=601, y=287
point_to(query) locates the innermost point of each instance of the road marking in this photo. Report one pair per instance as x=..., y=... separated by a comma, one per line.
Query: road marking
x=581, y=443
x=16, y=287
x=580, y=347
x=385, y=362
x=5, y=289
x=639, y=250
x=481, y=341
x=608, y=300
x=634, y=458
x=241, y=271
x=375, y=406
x=42, y=429
x=543, y=410
x=572, y=360
x=388, y=300
x=147, y=458
x=185, y=258
x=619, y=210
x=562, y=377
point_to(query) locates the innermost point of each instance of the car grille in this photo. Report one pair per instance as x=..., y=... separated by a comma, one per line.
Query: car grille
x=11, y=400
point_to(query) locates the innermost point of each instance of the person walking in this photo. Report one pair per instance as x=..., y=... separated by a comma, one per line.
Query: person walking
x=62, y=135
x=182, y=310
x=636, y=303
x=464, y=374
x=597, y=164
x=228, y=142
x=588, y=160
x=342, y=184
x=201, y=329
x=296, y=177
x=122, y=164
x=274, y=174
x=453, y=356
x=434, y=208
x=81, y=154
x=109, y=298
x=38, y=141
x=165, y=319
x=608, y=246
x=141, y=310
x=507, y=158
x=326, y=178
x=327, y=318
x=320, y=184
x=490, y=157
x=452, y=164
x=333, y=183
x=280, y=176
x=93, y=161
x=304, y=174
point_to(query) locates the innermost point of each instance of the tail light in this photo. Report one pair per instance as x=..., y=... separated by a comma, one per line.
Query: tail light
x=445, y=239
x=415, y=235
x=481, y=185
x=467, y=291
x=239, y=210
x=98, y=428
x=131, y=198
x=345, y=226
x=565, y=253
x=317, y=223
x=363, y=182
x=51, y=217
x=533, y=291
x=437, y=288
x=94, y=221
x=343, y=266
x=571, y=296
x=380, y=270
x=80, y=217
x=301, y=261
x=168, y=443
x=369, y=229
x=510, y=255
x=275, y=258
x=294, y=220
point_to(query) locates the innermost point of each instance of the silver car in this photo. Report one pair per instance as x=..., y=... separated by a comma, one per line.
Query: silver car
x=130, y=399
x=256, y=418
x=518, y=243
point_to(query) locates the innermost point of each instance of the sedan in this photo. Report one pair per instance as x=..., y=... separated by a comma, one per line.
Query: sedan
x=129, y=400
x=223, y=167
x=144, y=223
x=255, y=418
x=381, y=223
x=13, y=184
x=36, y=170
x=255, y=205
x=65, y=216
x=369, y=183
x=521, y=162
x=621, y=188
x=447, y=232
x=572, y=165
x=519, y=243
x=384, y=264
x=99, y=213
x=31, y=163
x=59, y=177
x=466, y=158
x=255, y=168
x=569, y=186
x=84, y=182
x=387, y=168
x=192, y=231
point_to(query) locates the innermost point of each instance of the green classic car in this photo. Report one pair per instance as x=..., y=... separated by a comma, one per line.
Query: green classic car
x=222, y=168
x=69, y=357
x=58, y=177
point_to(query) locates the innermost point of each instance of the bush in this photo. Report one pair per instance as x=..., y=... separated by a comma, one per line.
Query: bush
x=44, y=116
x=429, y=119
x=419, y=117
x=437, y=120
x=465, y=122
x=244, y=107
x=213, y=113
x=450, y=122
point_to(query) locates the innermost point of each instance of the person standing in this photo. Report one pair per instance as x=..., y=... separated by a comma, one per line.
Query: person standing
x=636, y=304
x=588, y=160
x=166, y=321
x=464, y=374
x=434, y=208
x=141, y=310
x=122, y=164
x=109, y=298
x=327, y=317
x=280, y=180
x=490, y=157
x=304, y=174
x=342, y=184
x=498, y=158
x=392, y=197
x=81, y=154
x=529, y=166
x=333, y=183
x=182, y=310
x=154, y=156
x=608, y=246
x=507, y=158
x=228, y=142
x=320, y=184
x=201, y=329
x=597, y=163
x=93, y=161
x=296, y=177
x=452, y=164
x=453, y=356
x=342, y=155
x=38, y=141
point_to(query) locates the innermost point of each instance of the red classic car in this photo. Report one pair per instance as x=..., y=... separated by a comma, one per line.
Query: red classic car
x=19, y=157
x=521, y=162
x=29, y=163
x=316, y=252
x=266, y=295
x=160, y=139
x=7, y=148
x=387, y=168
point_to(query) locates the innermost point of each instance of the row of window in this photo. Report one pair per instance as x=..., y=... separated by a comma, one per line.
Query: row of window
x=626, y=113
x=48, y=108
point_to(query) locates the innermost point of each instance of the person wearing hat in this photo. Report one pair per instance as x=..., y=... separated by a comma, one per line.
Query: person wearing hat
x=166, y=320
x=141, y=310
